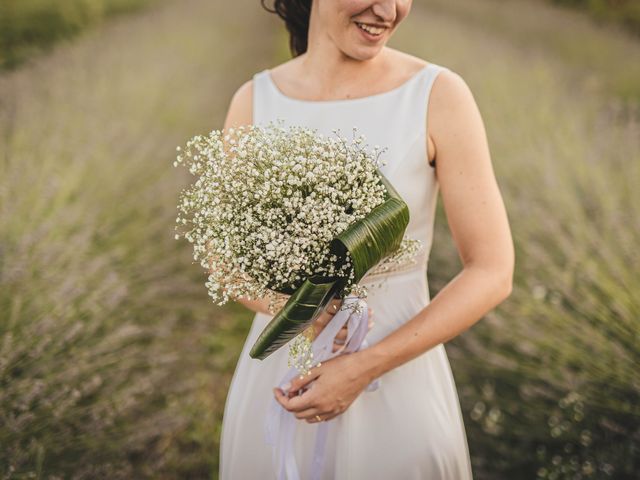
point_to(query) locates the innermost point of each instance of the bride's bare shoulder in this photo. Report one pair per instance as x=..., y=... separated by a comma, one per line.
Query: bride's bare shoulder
x=240, y=110
x=451, y=95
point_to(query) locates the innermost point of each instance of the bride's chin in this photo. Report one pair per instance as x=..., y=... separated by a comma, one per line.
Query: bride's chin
x=356, y=43
x=362, y=53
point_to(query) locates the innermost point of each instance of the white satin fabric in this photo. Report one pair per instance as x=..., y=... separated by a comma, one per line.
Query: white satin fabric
x=410, y=427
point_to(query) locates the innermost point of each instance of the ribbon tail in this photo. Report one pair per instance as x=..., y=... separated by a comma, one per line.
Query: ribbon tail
x=319, y=451
x=280, y=426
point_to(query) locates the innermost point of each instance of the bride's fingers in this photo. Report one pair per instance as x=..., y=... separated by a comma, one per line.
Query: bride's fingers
x=340, y=338
x=327, y=314
x=334, y=306
x=322, y=320
x=342, y=334
x=337, y=346
x=308, y=415
x=329, y=416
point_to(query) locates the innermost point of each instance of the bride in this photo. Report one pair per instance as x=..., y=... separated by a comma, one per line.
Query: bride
x=342, y=74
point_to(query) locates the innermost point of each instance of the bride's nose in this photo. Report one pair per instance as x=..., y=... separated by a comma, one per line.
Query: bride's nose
x=385, y=10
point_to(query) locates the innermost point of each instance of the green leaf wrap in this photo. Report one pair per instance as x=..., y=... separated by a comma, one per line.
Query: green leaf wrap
x=366, y=242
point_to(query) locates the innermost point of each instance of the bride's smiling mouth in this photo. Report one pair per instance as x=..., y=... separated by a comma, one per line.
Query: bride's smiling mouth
x=371, y=32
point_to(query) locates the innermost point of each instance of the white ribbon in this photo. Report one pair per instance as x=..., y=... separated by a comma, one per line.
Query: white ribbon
x=281, y=424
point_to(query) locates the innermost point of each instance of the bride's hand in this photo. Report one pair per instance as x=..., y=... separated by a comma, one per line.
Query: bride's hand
x=325, y=317
x=337, y=382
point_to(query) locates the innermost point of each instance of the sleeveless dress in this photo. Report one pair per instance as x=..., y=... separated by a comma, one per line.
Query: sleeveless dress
x=411, y=427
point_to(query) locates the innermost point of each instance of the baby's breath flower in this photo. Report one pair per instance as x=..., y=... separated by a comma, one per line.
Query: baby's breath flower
x=266, y=203
x=301, y=352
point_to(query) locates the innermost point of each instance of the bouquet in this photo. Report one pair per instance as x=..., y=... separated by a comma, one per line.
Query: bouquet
x=291, y=215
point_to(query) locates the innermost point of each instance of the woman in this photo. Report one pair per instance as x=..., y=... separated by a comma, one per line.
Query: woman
x=343, y=75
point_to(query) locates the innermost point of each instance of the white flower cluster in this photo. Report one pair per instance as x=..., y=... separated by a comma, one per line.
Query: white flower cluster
x=267, y=201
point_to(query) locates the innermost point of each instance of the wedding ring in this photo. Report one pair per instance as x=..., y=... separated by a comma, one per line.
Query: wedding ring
x=318, y=418
x=334, y=309
x=339, y=342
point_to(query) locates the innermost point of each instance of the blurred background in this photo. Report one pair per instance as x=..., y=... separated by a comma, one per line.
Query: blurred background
x=114, y=363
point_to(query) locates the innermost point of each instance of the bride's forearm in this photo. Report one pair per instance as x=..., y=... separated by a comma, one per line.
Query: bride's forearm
x=260, y=305
x=461, y=303
x=269, y=304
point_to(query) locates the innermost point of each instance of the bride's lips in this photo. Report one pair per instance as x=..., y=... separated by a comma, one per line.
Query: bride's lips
x=368, y=36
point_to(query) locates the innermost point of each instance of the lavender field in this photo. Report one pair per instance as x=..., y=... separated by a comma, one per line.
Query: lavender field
x=114, y=363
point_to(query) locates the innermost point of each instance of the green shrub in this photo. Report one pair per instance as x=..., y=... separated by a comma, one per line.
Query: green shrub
x=28, y=26
x=625, y=12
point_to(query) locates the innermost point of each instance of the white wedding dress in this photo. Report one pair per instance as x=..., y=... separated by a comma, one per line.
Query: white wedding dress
x=411, y=427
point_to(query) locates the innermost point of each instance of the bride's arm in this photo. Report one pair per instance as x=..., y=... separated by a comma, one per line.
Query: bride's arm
x=240, y=113
x=259, y=305
x=478, y=221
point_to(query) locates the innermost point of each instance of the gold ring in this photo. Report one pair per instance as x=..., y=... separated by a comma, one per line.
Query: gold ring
x=318, y=418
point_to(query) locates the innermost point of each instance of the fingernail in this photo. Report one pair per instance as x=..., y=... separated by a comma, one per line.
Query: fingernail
x=286, y=386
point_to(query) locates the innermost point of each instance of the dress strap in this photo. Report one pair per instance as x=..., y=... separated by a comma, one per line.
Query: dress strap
x=262, y=98
x=431, y=72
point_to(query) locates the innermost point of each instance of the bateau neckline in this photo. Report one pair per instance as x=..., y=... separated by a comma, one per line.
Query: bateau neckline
x=403, y=85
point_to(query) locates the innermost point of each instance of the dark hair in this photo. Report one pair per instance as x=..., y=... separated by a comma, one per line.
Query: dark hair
x=295, y=14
